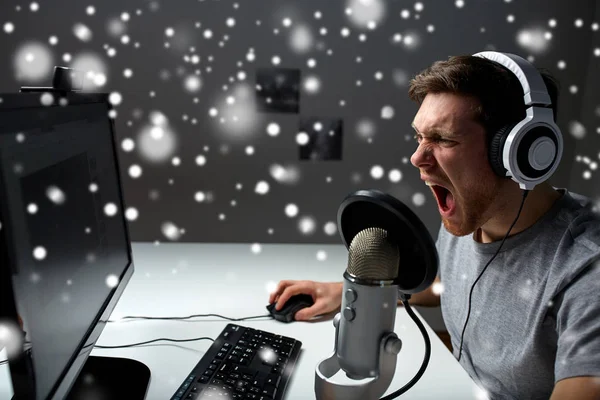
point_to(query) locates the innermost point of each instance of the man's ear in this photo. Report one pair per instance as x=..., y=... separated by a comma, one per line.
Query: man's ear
x=20, y=321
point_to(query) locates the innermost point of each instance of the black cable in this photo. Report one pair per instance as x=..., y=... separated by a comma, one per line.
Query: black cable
x=166, y=339
x=154, y=340
x=425, y=362
x=191, y=316
x=525, y=193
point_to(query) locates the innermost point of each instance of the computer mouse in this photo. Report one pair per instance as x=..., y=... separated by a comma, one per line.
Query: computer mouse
x=291, y=307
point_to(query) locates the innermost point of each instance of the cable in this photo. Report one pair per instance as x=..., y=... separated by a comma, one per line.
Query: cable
x=425, y=362
x=525, y=193
x=154, y=340
x=191, y=316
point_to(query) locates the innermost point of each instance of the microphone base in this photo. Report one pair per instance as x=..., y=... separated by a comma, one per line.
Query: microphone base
x=370, y=388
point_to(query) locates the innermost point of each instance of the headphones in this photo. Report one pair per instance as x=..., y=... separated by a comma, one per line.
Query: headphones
x=529, y=151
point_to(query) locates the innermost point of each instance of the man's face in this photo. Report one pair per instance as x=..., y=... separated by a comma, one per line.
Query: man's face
x=452, y=153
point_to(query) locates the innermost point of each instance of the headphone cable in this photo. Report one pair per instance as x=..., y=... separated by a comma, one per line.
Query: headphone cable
x=525, y=193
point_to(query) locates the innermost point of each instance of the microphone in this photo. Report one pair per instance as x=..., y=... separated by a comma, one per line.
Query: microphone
x=390, y=255
x=368, y=302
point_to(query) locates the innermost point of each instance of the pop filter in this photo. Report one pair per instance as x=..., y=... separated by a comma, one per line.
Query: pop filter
x=418, y=264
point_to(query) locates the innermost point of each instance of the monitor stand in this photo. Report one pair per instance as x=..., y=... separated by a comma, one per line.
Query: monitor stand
x=111, y=378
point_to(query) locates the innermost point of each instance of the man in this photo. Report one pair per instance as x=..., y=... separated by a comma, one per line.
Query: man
x=534, y=326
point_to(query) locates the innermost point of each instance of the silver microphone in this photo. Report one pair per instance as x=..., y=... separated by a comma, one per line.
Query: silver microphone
x=369, y=301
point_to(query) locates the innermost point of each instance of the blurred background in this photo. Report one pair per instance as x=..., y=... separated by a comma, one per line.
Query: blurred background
x=249, y=121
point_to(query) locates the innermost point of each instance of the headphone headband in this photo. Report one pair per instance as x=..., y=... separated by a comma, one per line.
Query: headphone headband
x=534, y=88
x=529, y=151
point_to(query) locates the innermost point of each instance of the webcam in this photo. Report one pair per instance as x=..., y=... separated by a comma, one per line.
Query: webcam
x=63, y=80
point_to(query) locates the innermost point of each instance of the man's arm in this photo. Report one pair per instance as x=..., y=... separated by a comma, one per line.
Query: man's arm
x=580, y=388
x=426, y=298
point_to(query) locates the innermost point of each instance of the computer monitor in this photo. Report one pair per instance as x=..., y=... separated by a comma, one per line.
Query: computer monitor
x=65, y=254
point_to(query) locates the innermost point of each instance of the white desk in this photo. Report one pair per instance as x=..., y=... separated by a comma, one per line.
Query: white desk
x=180, y=279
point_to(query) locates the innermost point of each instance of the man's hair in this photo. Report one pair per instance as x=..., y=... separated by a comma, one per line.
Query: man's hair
x=498, y=90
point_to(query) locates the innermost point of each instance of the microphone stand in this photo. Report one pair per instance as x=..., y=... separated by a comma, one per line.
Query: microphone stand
x=371, y=388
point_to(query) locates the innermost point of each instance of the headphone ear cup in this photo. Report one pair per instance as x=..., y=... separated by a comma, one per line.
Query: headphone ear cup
x=495, y=150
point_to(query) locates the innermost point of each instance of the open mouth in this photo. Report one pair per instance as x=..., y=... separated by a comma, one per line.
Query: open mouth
x=445, y=199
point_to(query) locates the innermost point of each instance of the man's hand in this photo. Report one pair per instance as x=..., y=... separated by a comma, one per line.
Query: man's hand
x=326, y=295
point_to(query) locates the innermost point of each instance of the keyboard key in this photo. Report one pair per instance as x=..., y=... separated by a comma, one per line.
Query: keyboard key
x=233, y=359
x=225, y=367
x=273, y=379
x=269, y=390
x=220, y=375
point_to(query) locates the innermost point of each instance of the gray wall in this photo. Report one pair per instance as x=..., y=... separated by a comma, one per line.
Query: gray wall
x=160, y=93
x=165, y=193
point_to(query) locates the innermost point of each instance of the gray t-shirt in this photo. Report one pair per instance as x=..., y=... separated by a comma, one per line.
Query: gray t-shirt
x=535, y=312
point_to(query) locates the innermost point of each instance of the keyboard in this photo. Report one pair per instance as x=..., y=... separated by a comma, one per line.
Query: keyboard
x=242, y=363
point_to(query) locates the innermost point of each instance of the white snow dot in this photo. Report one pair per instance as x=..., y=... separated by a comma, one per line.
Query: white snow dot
x=115, y=98
x=418, y=199
x=127, y=144
x=32, y=208
x=330, y=228
x=387, y=112
x=39, y=253
x=261, y=187
x=395, y=175
x=201, y=160
x=302, y=138
x=291, y=210
x=273, y=129
x=9, y=27
x=55, y=194
x=131, y=214
x=135, y=171
x=110, y=209
x=307, y=225
x=376, y=172
x=112, y=281
x=199, y=197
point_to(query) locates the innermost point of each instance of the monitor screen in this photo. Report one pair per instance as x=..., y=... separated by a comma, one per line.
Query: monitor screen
x=64, y=233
